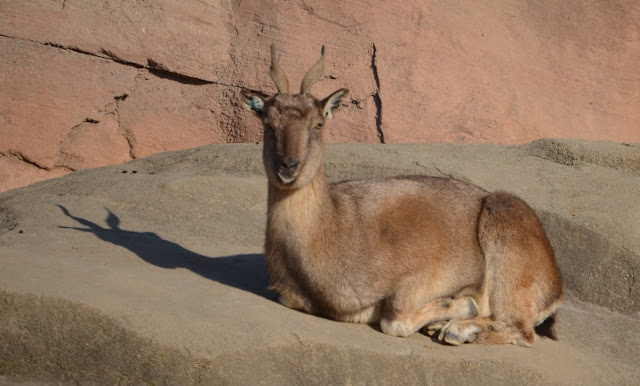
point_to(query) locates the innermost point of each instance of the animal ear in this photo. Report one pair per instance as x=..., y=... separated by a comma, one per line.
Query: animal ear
x=252, y=101
x=332, y=101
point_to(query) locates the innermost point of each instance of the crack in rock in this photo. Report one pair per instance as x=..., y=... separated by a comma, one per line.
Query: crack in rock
x=62, y=47
x=112, y=107
x=154, y=67
x=376, y=95
x=112, y=56
x=125, y=133
x=18, y=155
x=157, y=69
x=86, y=120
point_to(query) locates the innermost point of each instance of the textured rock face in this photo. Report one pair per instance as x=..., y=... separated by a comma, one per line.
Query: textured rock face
x=84, y=84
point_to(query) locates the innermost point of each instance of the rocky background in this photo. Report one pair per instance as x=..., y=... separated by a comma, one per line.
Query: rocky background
x=89, y=83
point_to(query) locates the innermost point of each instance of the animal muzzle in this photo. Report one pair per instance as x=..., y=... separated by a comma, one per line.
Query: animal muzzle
x=288, y=170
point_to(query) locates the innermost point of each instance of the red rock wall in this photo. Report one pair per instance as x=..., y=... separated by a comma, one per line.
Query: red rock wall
x=88, y=83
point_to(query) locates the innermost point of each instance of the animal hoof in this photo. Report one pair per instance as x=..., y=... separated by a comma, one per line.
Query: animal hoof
x=453, y=339
x=433, y=328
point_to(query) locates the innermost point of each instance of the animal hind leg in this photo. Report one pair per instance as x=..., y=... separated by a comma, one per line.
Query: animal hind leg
x=520, y=274
x=484, y=330
x=512, y=321
x=398, y=323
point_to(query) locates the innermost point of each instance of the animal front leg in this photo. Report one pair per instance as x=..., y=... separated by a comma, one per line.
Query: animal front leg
x=367, y=315
x=456, y=332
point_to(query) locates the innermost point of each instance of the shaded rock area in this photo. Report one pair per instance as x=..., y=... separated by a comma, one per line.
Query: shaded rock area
x=93, y=83
x=152, y=272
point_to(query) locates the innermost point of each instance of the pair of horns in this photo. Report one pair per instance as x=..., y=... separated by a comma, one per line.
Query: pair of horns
x=280, y=78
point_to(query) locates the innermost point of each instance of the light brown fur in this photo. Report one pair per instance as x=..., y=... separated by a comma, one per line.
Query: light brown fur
x=405, y=252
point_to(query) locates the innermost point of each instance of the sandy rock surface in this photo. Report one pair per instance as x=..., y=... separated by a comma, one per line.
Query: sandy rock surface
x=152, y=271
x=86, y=83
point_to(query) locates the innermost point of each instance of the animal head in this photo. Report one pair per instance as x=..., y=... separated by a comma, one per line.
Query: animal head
x=293, y=125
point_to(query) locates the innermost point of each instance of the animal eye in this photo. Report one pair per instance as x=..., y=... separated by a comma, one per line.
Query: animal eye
x=318, y=126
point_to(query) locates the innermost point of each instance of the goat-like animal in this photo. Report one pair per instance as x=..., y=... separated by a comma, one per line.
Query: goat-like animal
x=406, y=252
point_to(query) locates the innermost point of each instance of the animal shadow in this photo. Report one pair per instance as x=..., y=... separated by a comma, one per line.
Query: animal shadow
x=246, y=272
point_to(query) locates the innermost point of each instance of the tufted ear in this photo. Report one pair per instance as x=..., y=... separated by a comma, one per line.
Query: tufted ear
x=252, y=101
x=332, y=101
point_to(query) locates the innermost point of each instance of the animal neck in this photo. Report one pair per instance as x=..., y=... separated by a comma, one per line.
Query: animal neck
x=301, y=208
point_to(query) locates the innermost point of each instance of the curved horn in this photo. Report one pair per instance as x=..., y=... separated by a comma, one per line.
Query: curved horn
x=313, y=74
x=277, y=73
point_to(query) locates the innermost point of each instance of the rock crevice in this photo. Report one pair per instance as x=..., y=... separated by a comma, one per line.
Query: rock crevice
x=376, y=95
x=24, y=158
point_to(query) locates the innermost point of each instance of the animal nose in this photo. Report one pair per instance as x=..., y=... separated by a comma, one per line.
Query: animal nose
x=290, y=165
